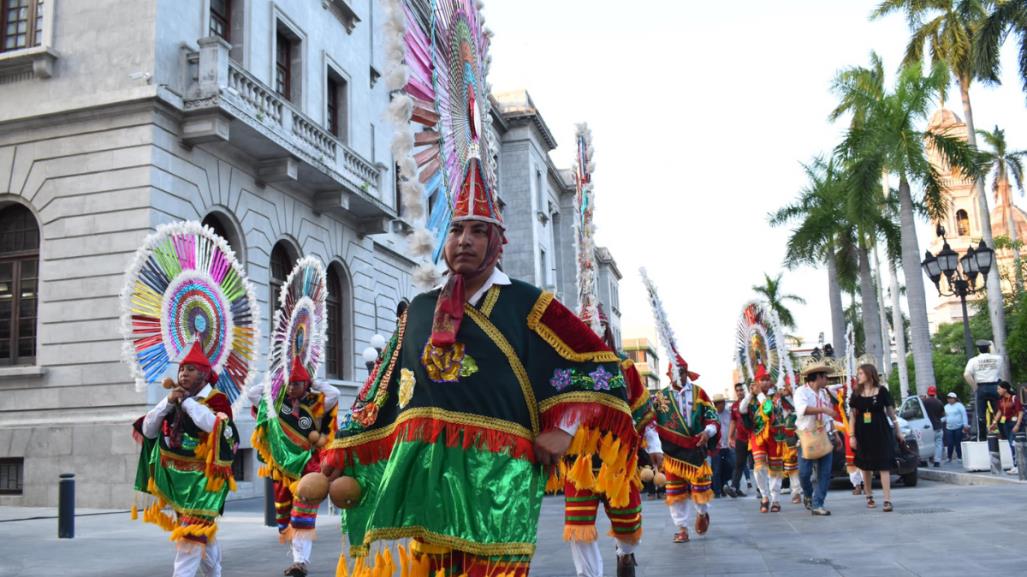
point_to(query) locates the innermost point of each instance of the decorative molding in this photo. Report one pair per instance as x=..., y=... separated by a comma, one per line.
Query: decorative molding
x=38, y=61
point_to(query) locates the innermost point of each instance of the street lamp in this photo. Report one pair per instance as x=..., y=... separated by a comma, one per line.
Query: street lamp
x=370, y=355
x=960, y=274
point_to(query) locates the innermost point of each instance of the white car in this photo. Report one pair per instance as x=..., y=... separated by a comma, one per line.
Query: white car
x=913, y=414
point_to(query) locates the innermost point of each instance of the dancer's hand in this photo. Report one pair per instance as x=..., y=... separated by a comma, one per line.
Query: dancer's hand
x=852, y=442
x=657, y=459
x=331, y=472
x=550, y=446
x=703, y=439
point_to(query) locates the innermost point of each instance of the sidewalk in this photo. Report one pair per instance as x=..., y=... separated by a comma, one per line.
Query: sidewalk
x=954, y=474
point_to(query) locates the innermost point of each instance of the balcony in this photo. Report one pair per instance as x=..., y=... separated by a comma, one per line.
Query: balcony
x=227, y=104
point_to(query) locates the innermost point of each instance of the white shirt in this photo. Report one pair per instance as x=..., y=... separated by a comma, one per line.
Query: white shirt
x=497, y=277
x=984, y=368
x=806, y=397
x=684, y=398
x=201, y=414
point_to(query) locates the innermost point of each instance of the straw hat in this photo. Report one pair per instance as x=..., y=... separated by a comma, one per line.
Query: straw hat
x=816, y=366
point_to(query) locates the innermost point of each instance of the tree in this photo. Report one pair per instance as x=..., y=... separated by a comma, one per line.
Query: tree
x=815, y=239
x=1005, y=18
x=946, y=29
x=889, y=139
x=771, y=291
x=1004, y=162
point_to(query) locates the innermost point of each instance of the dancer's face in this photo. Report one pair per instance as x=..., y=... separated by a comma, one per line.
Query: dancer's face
x=466, y=246
x=191, y=377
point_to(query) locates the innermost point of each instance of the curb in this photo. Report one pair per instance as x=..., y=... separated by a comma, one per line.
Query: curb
x=961, y=478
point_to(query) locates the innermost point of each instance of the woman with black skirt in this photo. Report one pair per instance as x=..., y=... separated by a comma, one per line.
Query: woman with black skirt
x=870, y=409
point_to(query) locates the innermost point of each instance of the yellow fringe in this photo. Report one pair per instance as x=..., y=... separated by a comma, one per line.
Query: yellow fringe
x=291, y=533
x=686, y=471
x=135, y=512
x=580, y=533
x=340, y=568
x=616, y=474
x=632, y=538
x=185, y=531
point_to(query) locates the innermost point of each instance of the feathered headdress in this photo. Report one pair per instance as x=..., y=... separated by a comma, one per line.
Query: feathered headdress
x=662, y=324
x=585, y=228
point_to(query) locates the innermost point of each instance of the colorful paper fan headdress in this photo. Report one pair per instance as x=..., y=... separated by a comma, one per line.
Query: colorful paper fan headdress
x=300, y=327
x=436, y=64
x=185, y=285
x=760, y=342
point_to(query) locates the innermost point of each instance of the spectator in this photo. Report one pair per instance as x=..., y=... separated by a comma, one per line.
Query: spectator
x=956, y=425
x=870, y=409
x=815, y=413
x=723, y=457
x=739, y=436
x=935, y=411
x=1007, y=419
x=983, y=374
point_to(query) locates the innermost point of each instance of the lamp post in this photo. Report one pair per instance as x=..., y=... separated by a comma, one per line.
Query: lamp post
x=960, y=274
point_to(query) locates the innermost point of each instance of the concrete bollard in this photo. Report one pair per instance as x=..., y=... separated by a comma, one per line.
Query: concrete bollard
x=996, y=457
x=270, y=517
x=66, y=506
x=1020, y=440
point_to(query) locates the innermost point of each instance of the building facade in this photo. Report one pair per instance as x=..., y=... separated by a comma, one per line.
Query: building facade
x=263, y=119
x=538, y=201
x=644, y=354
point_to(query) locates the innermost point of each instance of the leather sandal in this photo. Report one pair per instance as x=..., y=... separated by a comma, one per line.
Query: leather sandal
x=775, y=507
x=887, y=507
x=681, y=536
x=870, y=502
x=764, y=506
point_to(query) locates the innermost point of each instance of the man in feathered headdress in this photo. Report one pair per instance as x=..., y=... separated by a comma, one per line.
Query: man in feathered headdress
x=766, y=423
x=189, y=442
x=289, y=442
x=688, y=425
x=581, y=505
x=486, y=385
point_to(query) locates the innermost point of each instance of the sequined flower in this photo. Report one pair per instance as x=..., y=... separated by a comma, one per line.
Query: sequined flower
x=561, y=379
x=406, y=387
x=601, y=379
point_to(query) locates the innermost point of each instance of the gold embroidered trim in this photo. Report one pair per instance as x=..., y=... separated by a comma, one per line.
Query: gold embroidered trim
x=491, y=297
x=585, y=397
x=433, y=538
x=454, y=417
x=547, y=334
x=383, y=384
x=515, y=363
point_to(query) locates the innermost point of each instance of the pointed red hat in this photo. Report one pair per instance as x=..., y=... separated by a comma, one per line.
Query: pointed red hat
x=761, y=372
x=197, y=358
x=683, y=366
x=475, y=201
x=298, y=372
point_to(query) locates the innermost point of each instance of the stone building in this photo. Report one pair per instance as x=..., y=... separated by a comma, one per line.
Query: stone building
x=644, y=354
x=538, y=201
x=963, y=222
x=263, y=119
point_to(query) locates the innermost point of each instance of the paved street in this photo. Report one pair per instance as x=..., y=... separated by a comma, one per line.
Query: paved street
x=937, y=529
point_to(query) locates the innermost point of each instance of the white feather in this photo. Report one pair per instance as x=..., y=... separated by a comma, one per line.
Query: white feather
x=426, y=276
x=422, y=242
x=402, y=143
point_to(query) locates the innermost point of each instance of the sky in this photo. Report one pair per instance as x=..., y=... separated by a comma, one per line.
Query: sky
x=700, y=119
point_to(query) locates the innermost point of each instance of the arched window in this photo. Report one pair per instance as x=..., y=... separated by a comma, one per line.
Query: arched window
x=19, y=285
x=224, y=228
x=337, y=364
x=962, y=223
x=281, y=266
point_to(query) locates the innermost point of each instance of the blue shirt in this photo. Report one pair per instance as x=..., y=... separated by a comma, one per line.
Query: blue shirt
x=955, y=416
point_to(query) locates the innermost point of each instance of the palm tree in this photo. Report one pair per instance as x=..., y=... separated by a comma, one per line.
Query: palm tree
x=947, y=28
x=771, y=290
x=1009, y=17
x=1004, y=162
x=815, y=239
x=889, y=139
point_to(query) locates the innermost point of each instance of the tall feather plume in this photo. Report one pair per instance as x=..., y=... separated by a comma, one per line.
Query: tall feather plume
x=662, y=323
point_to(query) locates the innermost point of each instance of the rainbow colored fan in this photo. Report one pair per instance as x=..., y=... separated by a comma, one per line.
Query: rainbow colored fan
x=758, y=341
x=300, y=325
x=184, y=285
x=446, y=54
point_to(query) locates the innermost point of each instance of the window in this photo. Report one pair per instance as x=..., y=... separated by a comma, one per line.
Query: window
x=912, y=409
x=538, y=191
x=335, y=101
x=218, y=224
x=337, y=311
x=19, y=280
x=281, y=266
x=962, y=223
x=283, y=65
x=221, y=19
x=21, y=24
x=11, y=474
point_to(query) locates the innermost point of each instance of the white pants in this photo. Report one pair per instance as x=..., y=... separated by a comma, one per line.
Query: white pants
x=683, y=511
x=770, y=487
x=190, y=556
x=794, y=483
x=587, y=560
x=301, y=549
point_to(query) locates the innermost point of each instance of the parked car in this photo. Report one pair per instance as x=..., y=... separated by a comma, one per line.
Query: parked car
x=913, y=413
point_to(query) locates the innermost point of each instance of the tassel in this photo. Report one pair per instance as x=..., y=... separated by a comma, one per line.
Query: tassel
x=340, y=568
x=135, y=512
x=404, y=562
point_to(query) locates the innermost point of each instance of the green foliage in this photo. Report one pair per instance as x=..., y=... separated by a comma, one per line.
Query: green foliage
x=771, y=291
x=949, y=357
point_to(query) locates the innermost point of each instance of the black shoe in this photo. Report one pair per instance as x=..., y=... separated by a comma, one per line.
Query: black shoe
x=731, y=491
x=626, y=565
x=937, y=464
x=296, y=570
x=807, y=501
